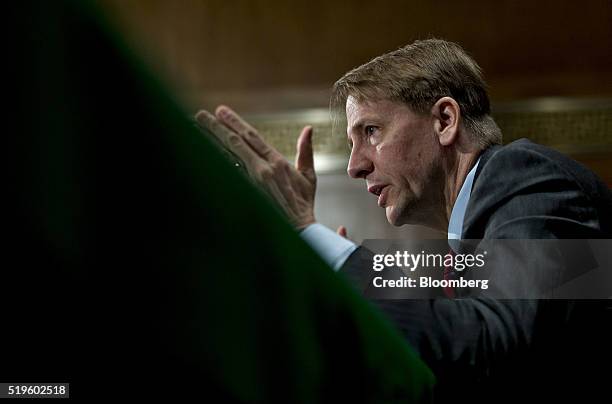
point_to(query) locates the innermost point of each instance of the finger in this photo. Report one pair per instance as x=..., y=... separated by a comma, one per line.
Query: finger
x=232, y=141
x=304, y=161
x=342, y=231
x=208, y=121
x=233, y=121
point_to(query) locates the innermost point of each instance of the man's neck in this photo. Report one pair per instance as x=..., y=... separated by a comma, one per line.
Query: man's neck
x=464, y=162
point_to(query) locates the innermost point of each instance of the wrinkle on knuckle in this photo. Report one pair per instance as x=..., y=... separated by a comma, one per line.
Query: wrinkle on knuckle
x=234, y=140
x=265, y=174
x=279, y=165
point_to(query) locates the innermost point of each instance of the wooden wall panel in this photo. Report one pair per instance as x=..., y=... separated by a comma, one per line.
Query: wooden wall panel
x=257, y=48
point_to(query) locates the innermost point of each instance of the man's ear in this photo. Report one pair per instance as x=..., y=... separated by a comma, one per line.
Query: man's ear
x=446, y=114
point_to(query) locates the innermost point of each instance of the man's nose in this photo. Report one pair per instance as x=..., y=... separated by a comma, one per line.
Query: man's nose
x=359, y=166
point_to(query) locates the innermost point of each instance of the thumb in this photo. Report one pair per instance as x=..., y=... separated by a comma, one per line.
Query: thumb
x=342, y=231
x=304, y=161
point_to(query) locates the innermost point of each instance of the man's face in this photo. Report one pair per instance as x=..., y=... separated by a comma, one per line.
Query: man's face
x=398, y=154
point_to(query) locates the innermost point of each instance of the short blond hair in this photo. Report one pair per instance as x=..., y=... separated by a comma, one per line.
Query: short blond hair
x=418, y=75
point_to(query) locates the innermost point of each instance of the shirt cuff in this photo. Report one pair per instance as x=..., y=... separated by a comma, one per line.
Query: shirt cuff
x=332, y=247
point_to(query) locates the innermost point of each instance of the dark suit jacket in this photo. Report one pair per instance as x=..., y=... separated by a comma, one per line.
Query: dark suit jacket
x=509, y=349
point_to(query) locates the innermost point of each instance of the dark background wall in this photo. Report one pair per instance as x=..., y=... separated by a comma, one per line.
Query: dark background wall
x=277, y=54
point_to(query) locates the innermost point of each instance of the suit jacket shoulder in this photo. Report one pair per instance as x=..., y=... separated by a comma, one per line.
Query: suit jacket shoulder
x=525, y=190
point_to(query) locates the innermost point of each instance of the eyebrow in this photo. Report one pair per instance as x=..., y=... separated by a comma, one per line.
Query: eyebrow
x=357, y=126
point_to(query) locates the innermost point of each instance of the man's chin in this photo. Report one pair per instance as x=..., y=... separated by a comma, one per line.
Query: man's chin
x=392, y=216
x=399, y=217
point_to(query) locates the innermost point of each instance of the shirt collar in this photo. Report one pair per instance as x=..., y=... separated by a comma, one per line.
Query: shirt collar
x=455, y=224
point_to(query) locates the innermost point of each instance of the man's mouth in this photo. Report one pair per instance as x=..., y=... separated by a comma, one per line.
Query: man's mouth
x=381, y=192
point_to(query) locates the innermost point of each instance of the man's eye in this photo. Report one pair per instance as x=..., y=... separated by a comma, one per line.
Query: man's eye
x=370, y=130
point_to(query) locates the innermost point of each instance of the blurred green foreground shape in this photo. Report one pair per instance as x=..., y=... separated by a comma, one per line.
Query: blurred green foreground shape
x=140, y=263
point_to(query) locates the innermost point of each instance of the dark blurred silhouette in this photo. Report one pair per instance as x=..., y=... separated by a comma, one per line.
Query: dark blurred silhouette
x=132, y=267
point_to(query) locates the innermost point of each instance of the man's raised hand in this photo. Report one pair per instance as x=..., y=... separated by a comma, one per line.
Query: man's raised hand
x=293, y=188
